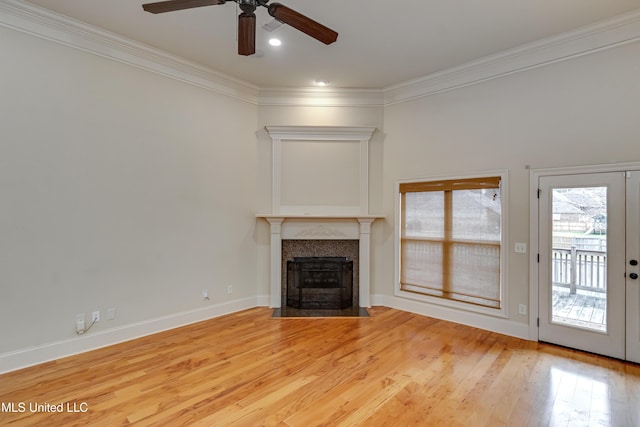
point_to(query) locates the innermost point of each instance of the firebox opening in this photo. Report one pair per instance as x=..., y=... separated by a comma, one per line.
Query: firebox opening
x=320, y=283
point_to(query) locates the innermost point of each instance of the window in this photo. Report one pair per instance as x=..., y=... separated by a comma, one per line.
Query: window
x=451, y=239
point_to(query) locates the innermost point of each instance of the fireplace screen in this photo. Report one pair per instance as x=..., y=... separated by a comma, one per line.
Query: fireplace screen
x=320, y=283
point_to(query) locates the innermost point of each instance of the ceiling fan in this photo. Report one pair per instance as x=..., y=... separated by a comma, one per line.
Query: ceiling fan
x=247, y=19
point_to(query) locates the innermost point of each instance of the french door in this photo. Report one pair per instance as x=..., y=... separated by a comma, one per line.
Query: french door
x=633, y=269
x=589, y=245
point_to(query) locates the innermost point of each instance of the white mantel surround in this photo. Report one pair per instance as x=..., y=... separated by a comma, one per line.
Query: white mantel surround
x=297, y=217
x=320, y=227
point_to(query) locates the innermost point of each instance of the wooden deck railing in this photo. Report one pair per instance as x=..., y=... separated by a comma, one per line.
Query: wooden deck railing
x=579, y=269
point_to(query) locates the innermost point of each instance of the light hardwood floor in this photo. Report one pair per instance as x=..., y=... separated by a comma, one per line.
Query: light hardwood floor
x=392, y=369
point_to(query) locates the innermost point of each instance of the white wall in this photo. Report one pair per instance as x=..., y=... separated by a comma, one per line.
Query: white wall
x=577, y=112
x=118, y=188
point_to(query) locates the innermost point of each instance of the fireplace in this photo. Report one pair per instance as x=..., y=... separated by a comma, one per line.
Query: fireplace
x=305, y=207
x=320, y=283
x=324, y=236
x=319, y=264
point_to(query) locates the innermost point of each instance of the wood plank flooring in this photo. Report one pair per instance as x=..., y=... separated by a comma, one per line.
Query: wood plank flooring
x=391, y=369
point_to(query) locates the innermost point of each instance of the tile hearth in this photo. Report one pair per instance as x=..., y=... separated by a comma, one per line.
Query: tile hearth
x=295, y=312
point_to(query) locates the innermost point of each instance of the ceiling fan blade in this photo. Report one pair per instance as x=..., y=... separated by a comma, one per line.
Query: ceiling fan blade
x=171, y=5
x=302, y=23
x=246, y=33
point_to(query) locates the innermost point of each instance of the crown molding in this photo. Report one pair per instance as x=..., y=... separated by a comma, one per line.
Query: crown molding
x=321, y=133
x=321, y=97
x=607, y=34
x=39, y=22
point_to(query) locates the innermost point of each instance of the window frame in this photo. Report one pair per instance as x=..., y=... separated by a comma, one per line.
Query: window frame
x=501, y=312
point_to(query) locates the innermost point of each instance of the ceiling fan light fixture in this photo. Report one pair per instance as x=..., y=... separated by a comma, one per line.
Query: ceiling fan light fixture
x=321, y=83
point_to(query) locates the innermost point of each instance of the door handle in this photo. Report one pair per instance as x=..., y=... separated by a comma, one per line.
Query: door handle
x=633, y=262
x=633, y=276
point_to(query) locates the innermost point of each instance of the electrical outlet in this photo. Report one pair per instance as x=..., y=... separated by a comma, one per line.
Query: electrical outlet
x=95, y=316
x=80, y=323
x=230, y=289
x=205, y=294
x=522, y=309
x=111, y=313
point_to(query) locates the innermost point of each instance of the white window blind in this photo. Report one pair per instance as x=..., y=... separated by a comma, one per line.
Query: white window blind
x=451, y=238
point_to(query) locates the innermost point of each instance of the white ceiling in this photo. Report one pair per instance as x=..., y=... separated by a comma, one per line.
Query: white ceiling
x=380, y=43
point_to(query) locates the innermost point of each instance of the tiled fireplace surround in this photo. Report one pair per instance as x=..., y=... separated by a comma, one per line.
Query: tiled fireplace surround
x=327, y=234
x=325, y=230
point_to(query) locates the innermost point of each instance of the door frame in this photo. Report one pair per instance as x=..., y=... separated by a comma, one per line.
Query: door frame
x=534, y=218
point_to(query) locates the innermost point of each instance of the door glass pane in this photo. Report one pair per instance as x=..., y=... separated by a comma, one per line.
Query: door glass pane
x=579, y=257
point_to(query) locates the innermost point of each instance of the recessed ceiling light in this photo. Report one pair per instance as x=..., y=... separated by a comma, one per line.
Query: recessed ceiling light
x=275, y=42
x=321, y=83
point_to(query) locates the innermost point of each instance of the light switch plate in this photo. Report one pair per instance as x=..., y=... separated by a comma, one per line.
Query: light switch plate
x=521, y=248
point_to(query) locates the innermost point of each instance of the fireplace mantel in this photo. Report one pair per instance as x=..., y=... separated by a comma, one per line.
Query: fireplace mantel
x=320, y=227
x=320, y=191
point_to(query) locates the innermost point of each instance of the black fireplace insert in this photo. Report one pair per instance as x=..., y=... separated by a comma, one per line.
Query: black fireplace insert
x=320, y=283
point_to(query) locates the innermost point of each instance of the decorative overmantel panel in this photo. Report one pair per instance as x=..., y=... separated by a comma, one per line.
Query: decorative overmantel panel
x=320, y=191
x=320, y=169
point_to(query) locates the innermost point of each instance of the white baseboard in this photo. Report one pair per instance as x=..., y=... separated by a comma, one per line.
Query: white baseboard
x=264, y=300
x=24, y=358
x=35, y=355
x=476, y=320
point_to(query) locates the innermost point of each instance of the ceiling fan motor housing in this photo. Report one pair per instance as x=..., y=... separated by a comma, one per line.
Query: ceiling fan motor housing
x=247, y=6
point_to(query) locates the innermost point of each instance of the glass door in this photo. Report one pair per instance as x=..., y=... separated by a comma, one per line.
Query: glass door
x=582, y=251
